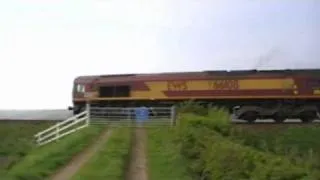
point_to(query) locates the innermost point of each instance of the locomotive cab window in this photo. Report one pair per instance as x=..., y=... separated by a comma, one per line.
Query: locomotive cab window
x=106, y=91
x=80, y=88
x=122, y=91
x=114, y=91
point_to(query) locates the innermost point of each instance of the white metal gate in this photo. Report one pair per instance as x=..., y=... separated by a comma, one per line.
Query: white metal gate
x=111, y=116
x=132, y=116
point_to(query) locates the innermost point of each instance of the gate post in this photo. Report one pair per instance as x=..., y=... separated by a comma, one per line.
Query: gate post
x=88, y=112
x=173, y=116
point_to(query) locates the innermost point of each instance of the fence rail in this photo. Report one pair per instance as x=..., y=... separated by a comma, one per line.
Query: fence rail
x=111, y=116
x=63, y=128
x=133, y=116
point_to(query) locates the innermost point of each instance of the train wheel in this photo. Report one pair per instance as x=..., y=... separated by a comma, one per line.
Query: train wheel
x=307, y=117
x=278, y=118
x=250, y=116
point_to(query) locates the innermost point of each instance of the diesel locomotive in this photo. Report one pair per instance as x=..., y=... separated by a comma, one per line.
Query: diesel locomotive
x=247, y=94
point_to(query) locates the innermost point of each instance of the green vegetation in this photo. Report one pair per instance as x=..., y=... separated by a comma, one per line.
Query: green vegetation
x=110, y=161
x=204, y=145
x=17, y=140
x=164, y=159
x=214, y=149
x=43, y=161
x=299, y=144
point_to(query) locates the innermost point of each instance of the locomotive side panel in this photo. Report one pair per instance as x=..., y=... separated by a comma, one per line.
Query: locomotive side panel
x=217, y=89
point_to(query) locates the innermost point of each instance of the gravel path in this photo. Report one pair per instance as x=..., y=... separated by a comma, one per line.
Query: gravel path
x=138, y=163
x=76, y=163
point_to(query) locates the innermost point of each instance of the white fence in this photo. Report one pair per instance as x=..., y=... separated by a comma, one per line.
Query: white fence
x=133, y=116
x=111, y=116
x=63, y=128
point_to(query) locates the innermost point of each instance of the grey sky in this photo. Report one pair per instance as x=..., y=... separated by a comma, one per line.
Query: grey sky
x=45, y=44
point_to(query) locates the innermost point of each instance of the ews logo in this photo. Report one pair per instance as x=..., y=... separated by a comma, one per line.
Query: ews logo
x=177, y=86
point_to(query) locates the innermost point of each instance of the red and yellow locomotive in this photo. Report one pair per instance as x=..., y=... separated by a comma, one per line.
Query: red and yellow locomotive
x=249, y=94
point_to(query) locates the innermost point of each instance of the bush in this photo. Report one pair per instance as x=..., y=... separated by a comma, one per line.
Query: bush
x=225, y=159
x=191, y=106
x=164, y=160
x=211, y=153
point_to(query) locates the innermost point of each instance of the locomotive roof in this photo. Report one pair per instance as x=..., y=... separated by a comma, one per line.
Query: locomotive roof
x=169, y=75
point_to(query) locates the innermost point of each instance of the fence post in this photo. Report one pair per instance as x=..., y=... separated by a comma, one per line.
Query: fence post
x=129, y=118
x=88, y=113
x=173, y=116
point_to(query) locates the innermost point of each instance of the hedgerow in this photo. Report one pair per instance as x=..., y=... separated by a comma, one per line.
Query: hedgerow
x=207, y=143
x=191, y=106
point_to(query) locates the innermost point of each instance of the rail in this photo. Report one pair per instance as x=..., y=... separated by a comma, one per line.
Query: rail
x=63, y=128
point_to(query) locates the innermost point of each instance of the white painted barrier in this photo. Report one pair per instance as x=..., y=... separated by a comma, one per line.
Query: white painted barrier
x=63, y=128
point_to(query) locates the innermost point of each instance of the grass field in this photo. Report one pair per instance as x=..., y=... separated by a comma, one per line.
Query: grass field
x=214, y=149
x=45, y=160
x=300, y=144
x=200, y=147
x=17, y=140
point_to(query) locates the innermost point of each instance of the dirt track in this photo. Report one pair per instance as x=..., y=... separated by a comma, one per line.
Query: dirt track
x=76, y=163
x=137, y=169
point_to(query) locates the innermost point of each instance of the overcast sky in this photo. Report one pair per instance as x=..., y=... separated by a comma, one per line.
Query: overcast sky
x=44, y=45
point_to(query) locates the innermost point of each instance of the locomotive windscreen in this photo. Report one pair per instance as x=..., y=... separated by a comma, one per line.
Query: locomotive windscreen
x=114, y=91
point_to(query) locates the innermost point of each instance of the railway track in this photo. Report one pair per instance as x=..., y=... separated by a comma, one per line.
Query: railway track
x=270, y=124
x=267, y=121
x=274, y=123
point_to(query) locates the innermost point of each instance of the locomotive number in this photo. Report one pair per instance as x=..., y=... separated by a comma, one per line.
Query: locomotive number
x=224, y=85
x=177, y=86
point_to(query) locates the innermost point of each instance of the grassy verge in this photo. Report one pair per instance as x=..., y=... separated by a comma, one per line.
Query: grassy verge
x=209, y=145
x=17, y=140
x=109, y=163
x=164, y=159
x=300, y=144
x=45, y=160
x=214, y=149
x=301, y=138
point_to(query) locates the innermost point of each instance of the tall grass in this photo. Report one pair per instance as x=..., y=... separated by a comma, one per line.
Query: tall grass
x=300, y=144
x=17, y=140
x=211, y=145
x=109, y=162
x=164, y=158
